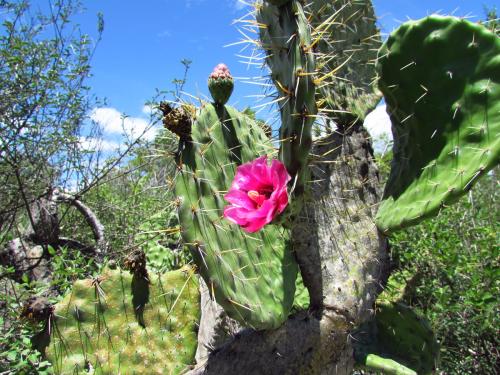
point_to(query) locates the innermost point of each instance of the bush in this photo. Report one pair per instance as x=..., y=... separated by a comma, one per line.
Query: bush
x=455, y=278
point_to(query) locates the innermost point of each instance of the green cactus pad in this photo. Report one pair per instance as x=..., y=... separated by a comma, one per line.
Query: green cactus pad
x=347, y=42
x=251, y=275
x=118, y=323
x=286, y=38
x=397, y=341
x=440, y=77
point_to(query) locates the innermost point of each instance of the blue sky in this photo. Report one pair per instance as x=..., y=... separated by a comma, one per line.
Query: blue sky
x=143, y=43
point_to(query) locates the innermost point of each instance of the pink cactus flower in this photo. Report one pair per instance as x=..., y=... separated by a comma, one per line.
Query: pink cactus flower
x=257, y=194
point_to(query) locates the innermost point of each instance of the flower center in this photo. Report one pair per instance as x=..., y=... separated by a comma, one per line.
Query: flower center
x=256, y=197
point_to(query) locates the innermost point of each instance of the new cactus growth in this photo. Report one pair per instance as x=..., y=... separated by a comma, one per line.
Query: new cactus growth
x=117, y=324
x=251, y=275
x=441, y=80
x=220, y=84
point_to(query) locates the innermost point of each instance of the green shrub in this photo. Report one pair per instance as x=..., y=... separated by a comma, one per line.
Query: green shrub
x=454, y=278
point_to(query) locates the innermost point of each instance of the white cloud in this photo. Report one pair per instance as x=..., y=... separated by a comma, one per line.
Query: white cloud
x=148, y=109
x=94, y=144
x=114, y=122
x=378, y=125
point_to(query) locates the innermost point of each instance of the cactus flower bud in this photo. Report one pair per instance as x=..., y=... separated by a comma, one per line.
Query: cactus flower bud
x=220, y=84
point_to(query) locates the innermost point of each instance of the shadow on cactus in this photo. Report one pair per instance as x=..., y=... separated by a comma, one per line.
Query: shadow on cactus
x=124, y=323
x=440, y=77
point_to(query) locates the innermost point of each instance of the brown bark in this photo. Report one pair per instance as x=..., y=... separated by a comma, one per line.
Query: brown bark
x=91, y=219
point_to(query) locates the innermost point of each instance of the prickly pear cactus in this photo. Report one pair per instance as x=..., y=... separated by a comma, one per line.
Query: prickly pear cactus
x=122, y=323
x=286, y=38
x=397, y=341
x=346, y=41
x=441, y=80
x=220, y=84
x=251, y=275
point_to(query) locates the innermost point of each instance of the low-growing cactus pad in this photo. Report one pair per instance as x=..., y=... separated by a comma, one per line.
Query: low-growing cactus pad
x=119, y=323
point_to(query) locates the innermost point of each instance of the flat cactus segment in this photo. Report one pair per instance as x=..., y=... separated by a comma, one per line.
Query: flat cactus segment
x=407, y=336
x=286, y=38
x=441, y=80
x=397, y=341
x=252, y=276
x=118, y=323
x=346, y=43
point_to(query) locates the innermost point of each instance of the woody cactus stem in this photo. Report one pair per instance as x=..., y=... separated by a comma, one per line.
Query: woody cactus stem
x=286, y=37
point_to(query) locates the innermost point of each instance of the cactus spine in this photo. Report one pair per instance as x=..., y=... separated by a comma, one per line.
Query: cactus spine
x=346, y=43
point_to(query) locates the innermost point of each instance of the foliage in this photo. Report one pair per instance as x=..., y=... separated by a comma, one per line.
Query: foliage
x=16, y=352
x=44, y=65
x=134, y=202
x=451, y=267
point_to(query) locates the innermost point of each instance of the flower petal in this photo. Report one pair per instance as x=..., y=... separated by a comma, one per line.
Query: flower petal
x=267, y=186
x=240, y=198
x=255, y=225
x=236, y=214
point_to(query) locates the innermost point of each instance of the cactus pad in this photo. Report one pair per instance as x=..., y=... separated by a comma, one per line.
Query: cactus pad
x=347, y=40
x=441, y=80
x=286, y=38
x=118, y=323
x=397, y=341
x=251, y=275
